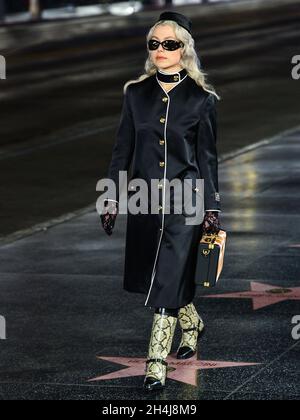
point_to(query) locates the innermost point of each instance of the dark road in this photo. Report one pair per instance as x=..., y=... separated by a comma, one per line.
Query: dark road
x=61, y=101
x=68, y=330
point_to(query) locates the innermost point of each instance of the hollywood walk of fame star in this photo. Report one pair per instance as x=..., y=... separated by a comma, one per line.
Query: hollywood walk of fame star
x=263, y=295
x=179, y=370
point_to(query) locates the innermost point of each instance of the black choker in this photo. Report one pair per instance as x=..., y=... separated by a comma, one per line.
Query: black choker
x=171, y=77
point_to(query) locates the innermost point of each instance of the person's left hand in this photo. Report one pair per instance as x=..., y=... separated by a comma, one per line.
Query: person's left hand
x=211, y=223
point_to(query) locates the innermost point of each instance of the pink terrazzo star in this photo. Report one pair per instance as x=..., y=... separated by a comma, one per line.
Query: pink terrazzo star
x=263, y=295
x=180, y=370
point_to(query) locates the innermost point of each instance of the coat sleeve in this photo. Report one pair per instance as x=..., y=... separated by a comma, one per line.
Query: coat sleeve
x=124, y=146
x=207, y=154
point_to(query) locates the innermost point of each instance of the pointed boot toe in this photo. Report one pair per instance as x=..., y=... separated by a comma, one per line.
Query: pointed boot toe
x=192, y=329
x=152, y=384
x=163, y=328
x=185, y=352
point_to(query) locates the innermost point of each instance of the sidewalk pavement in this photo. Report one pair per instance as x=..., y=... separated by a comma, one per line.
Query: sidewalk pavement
x=18, y=32
x=120, y=8
x=72, y=332
x=73, y=12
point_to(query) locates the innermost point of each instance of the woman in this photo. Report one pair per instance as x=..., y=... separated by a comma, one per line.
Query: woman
x=167, y=131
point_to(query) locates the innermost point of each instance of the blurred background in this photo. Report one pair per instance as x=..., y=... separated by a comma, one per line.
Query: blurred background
x=67, y=62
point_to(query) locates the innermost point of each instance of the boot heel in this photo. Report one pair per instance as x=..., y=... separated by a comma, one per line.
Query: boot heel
x=189, y=342
x=163, y=328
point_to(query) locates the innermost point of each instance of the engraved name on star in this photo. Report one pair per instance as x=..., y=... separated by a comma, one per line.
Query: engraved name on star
x=180, y=370
x=262, y=295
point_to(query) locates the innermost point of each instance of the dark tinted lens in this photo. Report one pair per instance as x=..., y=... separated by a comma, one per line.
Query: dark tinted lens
x=171, y=45
x=153, y=45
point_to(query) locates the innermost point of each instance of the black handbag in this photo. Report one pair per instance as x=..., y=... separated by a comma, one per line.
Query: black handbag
x=210, y=258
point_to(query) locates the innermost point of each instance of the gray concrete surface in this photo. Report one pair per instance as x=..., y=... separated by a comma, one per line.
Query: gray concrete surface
x=69, y=321
x=61, y=101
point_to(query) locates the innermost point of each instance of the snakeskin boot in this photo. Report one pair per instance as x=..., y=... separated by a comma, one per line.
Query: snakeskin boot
x=192, y=327
x=163, y=328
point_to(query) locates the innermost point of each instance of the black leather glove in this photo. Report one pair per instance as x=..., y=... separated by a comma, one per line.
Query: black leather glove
x=211, y=222
x=109, y=215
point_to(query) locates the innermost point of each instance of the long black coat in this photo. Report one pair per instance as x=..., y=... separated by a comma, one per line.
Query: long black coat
x=165, y=135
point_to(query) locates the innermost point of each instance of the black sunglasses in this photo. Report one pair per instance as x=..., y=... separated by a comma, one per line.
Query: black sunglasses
x=168, y=44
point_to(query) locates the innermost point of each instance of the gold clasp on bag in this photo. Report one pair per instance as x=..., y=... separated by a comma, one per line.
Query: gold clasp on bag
x=210, y=238
x=205, y=252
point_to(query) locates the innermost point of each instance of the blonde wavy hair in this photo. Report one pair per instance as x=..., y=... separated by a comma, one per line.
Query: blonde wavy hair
x=189, y=59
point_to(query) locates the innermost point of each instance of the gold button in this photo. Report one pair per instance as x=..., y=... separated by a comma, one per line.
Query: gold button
x=162, y=120
x=176, y=78
x=165, y=99
x=161, y=142
x=161, y=164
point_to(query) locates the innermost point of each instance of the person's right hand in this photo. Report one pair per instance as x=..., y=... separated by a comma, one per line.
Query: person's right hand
x=109, y=215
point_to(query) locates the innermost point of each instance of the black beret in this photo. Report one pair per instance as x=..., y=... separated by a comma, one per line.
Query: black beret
x=179, y=18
